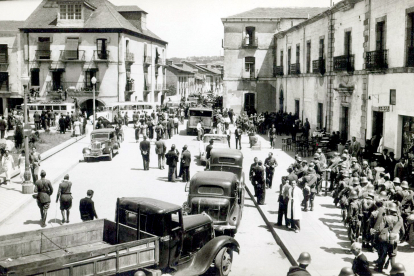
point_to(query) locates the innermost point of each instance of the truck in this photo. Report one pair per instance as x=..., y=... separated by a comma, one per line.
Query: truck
x=148, y=237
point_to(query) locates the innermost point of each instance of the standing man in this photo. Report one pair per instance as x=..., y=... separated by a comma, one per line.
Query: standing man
x=172, y=159
x=170, y=127
x=65, y=195
x=251, y=175
x=3, y=126
x=36, y=118
x=259, y=177
x=355, y=147
x=145, y=147
x=294, y=207
x=208, y=151
x=304, y=260
x=87, y=207
x=160, y=150
x=272, y=136
x=44, y=190
x=270, y=165
x=306, y=129
x=231, y=114
x=199, y=130
x=283, y=200
x=185, y=163
x=34, y=159
x=176, y=121
x=238, y=135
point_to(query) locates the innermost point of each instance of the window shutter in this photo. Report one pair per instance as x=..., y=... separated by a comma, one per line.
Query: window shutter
x=3, y=53
x=71, y=48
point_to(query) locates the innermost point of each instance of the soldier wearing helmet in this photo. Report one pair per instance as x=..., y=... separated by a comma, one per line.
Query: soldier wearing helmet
x=407, y=206
x=354, y=214
x=366, y=171
x=360, y=265
x=397, y=269
x=344, y=162
x=322, y=157
x=334, y=168
x=309, y=190
x=304, y=260
x=355, y=167
x=356, y=186
x=346, y=271
x=367, y=207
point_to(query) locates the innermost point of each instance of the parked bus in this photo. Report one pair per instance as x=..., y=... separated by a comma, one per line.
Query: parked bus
x=112, y=109
x=195, y=114
x=55, y=106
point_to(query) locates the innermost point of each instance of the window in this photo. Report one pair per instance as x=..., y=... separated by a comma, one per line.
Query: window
x=410, y=40
x=281, y=58
x=43, y=48
x=101, y=45
x=34, y=77
x=297, y=54
x=70, y=11
x=250, y=34
x=380, y=36
x=249, y=66
x=88, y=78
x=3, y=53
x=297, y=108
x=348, y=44
x=4, y=81
x=289, y=59
x=71, y=48
x=321, y=48
x=320, y=116
x=308, y=56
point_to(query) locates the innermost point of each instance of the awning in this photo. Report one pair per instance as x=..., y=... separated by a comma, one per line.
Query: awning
x=71, y=48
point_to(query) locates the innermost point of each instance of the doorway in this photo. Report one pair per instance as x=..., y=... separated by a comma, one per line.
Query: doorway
x=377, y=123
x=320, y=116
x=344, y=123
x=56, y=80
x=297, y=108
x=281, y=100
x=249, y=102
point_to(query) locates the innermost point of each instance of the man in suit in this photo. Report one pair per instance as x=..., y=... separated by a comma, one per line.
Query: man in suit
x=170, y=127
x=172, y=159
x=259, y=177
x=62, y=125
x=44, y=190
x=34, y=159
x=208, y=152
x=251, y=174
x=270, y=165
x=160, y=150
x=3, y=127
x=360, y=265
x=355, y=147
x=36, y=118
x=65, y=195
x=145, y=147
x=87, y=207
x=185, y=163
x=238, y=135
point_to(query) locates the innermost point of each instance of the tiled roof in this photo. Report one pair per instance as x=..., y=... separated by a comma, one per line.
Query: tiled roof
x=301, y=12
x=105, y=16
x=129, y=9
x=11, y=25
x=180, y=69
x=207, y=70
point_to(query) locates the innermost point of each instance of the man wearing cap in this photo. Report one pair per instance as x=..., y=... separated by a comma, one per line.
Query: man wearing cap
x=172, y=159
x=294, y=207
x=309, y=190
x=366, y=170
x=356, y=186
x=322, y=157
x=344, y=162
x=87, y=207
x=283, y=200
x=65, y=194
x=259, y=178
x=334, y=169
x=185, y=163
x=44, y=190
x=304, y=260
x=251, y=174
x=355, y=167
x=292, y=175
x=353, y=215
x=354, y=148
x=360, y=265
x=270, y=165
x=34, y=159
x=145, y=147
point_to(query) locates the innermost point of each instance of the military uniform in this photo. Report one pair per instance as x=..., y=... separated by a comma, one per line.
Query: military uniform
x=64, y=192
x=44, y=190
x=251, y=177
x=270, y=164
x=259, y=177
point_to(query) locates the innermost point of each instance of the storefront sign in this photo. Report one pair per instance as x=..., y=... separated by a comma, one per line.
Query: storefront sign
x=384, y=108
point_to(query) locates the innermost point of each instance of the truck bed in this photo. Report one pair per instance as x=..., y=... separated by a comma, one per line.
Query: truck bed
x=87, y=248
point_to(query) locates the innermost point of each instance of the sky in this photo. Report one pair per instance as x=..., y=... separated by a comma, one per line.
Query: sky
x=191, y=27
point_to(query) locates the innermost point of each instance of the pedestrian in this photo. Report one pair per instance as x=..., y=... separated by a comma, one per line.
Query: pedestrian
x=36, y=118
x=238, y=136
x=259, y=177
x=77, y=128
x=126, y=119
x=43, y=190
x=137, y=127
x=270, y=165
x=176, y=122
x=199, y=130
x=160, y=150
x=87, y=207
x=21, y=163
x=231, y=114
x=283, y=201
x=145, y=147
x=360, y=265
x=34, y=159
x=272, y=137
x=172, y=159
x=185, y=163
x=3, y=127
x=208, y=152
x=170, y=128
x=354, y=148
x=227, y=132
x=294, y=206
x=251, y=175
x=304, y=260
x=65, y=195
x=7, y=163
x=150, y=128
x=62, y=125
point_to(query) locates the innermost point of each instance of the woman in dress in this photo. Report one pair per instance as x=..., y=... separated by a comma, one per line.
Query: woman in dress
x=22, y=164
x=7, y=163
x=77, y=128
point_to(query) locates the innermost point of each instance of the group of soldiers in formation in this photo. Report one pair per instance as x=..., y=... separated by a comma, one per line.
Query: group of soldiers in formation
x=373, y=205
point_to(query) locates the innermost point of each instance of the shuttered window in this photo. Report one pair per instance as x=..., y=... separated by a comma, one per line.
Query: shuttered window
x=281, y=58
x=4, y=81
x=71, y=48
x=380, y=36
x=321, y=47
x=410, y=40
x=308, y=56
x=348, y=44
x=3, y=53
x=101, y=48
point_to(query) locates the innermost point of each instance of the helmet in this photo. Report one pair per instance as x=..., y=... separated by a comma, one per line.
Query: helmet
x=139, y=273
x=383, y=195
x=365, y=162
x=397, y=268
x=353, y=159
x=392, y=207
x=345, y=151
x=316, y=155
x=397, y=180
x=344, y=155
x=371, y=194
x=346, y=271
x=311, y=170
x=370, y=187
x=355, y=180
x=319, y=150
x=353, y=195
x=336, y=154
x=304, y=258
x=404, y=184
x=364, y=179
x=345, y=173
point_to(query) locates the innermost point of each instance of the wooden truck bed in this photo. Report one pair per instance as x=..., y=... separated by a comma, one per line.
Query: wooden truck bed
x=87, y=248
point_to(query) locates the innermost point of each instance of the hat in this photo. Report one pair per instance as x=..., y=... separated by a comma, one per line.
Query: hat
x=353, y=195
x=353, y=159
x=397, y=180
x=42, y=173
x=404, y=184
x=336, y=153
x=311, y=170
x=299, y=158
x=370, y=188
x=345, y=151
x=364, y=180
x=365, y=162
x=344, y=155
x=392, y=207
x=316, y=155
x=383, y=195
x=319, y=150
x=355, y=181
x=371, y=194
x=185, y=147
x=345, y=173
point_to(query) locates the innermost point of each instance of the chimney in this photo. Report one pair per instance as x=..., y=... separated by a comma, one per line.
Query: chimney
x=143, y=21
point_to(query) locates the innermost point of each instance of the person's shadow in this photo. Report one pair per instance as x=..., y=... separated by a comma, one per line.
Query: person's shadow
x=27, y=222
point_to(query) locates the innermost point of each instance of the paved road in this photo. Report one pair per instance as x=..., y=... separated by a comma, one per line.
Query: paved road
x=124, y=177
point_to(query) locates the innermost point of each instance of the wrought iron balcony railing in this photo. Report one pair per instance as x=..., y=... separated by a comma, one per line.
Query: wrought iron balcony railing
x=376, y=60
x=74, y=86
x=295, y=69
x=129, y=57
x=249, y=43
x=344, y=63
x=130, y=86
x=101, y=55
x=72, y=55
x=318, y=66
x=410, y=57
x=277, y=71
x=147, y=60
x=43, y=55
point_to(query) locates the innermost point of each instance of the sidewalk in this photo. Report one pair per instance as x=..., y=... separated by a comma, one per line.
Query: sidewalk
x=322, y=233
x=58, y=164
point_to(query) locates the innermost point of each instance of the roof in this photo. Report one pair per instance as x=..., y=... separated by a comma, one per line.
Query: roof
x=227, y=152
x=11, y=25
x=132, y=8
x=102, y=130
x=147, y=205
x=201, y=108
x=214, y=135
x=193, y=221
x=209, y=70
x=293, y=12
x=214, y=178
x=105, y=15
x=180, y=69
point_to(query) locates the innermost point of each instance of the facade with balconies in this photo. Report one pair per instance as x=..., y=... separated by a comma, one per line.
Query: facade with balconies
x=115, y=47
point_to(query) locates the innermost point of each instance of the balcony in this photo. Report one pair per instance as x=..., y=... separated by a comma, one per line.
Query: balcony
x=295, y=69
x=100, y=56
x=376, y=60
x=160, y=87
x=129, y=57
x=147, y=60
x=72, y=56
x=410, y=57
x=130, y=87
x=277, y=71
x=160, y=62
x=74, y=87
x=318, y=66
x=248, y=75
x=43, y=55
x=249, y=43
x=4, y=87
x=344, y=63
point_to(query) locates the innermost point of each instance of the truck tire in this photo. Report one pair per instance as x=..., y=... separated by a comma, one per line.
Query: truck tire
x=223, y=262
x=86, y=159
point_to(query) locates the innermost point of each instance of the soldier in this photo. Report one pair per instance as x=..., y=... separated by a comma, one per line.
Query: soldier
x=322, y=157
x=272, y=136
x=270, y=165
x=259, y=177
x=309, y=190
x=145, y=147
x=353, y=217
x=44, y=190
x=238, y=136
x=304, y=260
x=251, y=175
x=334, y=168
x=407, y=206
x=65, y=195
x=355, y=167
x=397, y=269
x=172, y=159
x=367, y=207
x=160, y=150
x=366, y=171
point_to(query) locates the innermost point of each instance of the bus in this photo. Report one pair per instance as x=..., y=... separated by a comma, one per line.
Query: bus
x=195, y=114
x=58, y=107
x=110, y=110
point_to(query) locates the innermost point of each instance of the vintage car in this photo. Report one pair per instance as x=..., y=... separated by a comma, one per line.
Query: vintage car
x=220, y=141
x=228, y=160
x=104, y=143
x=218, y=194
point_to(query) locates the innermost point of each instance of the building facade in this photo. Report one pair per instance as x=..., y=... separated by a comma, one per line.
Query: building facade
x=180, y=82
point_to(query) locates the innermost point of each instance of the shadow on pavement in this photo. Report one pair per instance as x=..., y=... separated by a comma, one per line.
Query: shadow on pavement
x=248, y=205
x=406, y=248
x=273, y=212
x=329, y=206
x=336, y=250
x=340, y=233
x=32, y=222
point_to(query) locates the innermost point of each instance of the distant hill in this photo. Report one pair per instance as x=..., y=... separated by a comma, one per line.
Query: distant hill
x=201, y=59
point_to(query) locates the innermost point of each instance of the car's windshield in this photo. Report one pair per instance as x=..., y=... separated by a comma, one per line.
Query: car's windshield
x=220, y=140
x=100, y=136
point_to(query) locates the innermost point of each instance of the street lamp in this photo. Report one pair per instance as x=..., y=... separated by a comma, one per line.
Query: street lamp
x=27, y=187
x=93, y=80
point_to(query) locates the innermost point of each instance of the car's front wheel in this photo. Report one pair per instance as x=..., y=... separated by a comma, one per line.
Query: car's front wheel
x=223, y=262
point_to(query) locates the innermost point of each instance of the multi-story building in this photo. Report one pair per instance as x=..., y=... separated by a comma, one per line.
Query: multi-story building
x=208, y=79
x=181, y=81
x=64, y=44
x=249, y=54
x=9, y=65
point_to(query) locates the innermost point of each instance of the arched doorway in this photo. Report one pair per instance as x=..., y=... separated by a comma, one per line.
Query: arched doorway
x=281, y=100
x=87, y=105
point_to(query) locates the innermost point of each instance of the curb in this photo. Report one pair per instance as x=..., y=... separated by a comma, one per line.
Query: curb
x=272, y=231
